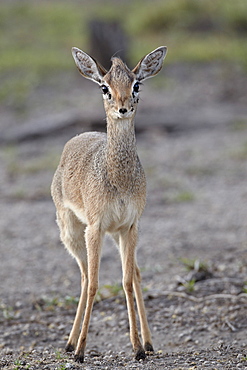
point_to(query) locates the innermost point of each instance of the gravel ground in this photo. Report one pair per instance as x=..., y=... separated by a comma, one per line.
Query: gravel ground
x=192, y=140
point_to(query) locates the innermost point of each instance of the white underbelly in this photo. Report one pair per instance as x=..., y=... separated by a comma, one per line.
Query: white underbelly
x=119, y=215
x=113, y=217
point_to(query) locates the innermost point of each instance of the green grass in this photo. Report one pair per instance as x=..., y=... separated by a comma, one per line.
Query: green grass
x=16, y=166
x=7, y=312
x=200, y=171
x=194, y=264
x=36, y=37
x=193, y=30
x=240, y=153
x=176, y=192
x=70, y=302
x=189, y=286
x=239, y=125
x=108, y=291
x=184, y=197
x=35, y=44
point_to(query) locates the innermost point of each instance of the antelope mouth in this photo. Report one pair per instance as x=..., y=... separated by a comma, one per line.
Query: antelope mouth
x=126, y=115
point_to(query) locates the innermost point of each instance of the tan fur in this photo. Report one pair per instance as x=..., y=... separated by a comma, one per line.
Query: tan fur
x=99, y=187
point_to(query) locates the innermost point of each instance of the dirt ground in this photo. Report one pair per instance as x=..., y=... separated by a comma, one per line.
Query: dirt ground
x=192, y=141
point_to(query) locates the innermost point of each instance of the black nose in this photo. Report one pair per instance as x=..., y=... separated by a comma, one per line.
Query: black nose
x=122, y=110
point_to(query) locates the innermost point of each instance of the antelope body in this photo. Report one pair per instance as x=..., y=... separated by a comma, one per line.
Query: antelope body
x=99, y=187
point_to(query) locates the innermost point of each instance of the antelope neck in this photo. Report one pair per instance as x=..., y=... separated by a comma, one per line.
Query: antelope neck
x=121, y=149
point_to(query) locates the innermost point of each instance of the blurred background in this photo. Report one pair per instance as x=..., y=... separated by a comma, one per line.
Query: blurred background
x=190, y=116
x=191, y=121
x=36, y=39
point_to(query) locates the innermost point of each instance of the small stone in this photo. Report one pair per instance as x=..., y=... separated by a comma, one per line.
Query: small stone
x=68, y=366
x=97, y=363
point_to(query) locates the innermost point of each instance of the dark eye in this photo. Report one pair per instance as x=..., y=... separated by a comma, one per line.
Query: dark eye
x=105, y=89
x=136, y=87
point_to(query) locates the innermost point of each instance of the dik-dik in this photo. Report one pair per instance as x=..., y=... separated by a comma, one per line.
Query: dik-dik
x=100, y=187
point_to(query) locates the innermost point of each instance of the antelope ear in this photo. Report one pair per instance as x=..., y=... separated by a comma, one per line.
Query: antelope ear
x=151, y=64
x=88, y=66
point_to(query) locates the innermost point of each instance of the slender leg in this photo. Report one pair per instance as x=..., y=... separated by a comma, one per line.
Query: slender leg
x=72, y=235
x=93, y=238
x=146, y=335
x=75, y=331
x=128, y=242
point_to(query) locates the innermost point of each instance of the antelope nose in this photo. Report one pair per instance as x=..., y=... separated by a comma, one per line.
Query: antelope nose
x=122, y=110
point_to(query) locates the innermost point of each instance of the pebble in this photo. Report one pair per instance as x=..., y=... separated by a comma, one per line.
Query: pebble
x=68, y=366
x=240, y=366
x=97, y=363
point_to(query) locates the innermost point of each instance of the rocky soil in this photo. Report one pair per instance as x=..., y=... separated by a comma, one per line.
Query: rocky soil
x=192, y=140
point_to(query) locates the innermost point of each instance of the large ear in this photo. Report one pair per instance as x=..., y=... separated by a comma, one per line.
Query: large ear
x=151, y=64
x=88, y=66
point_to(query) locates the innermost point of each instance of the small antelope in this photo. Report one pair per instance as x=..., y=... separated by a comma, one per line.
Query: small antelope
x=100, y=187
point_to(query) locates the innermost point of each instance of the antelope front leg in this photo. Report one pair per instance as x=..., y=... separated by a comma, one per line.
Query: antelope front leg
x=127, y=249
x=74, y=334
x=93, y=238
x=146, y=335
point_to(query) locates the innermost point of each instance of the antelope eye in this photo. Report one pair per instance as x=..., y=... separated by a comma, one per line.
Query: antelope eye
x=104, y=89
x=136, y=87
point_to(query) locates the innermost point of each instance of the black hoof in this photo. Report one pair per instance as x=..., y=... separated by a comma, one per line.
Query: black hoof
x=79, y=358
x=140, y=354
x=149, y=348
x=69, y=348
